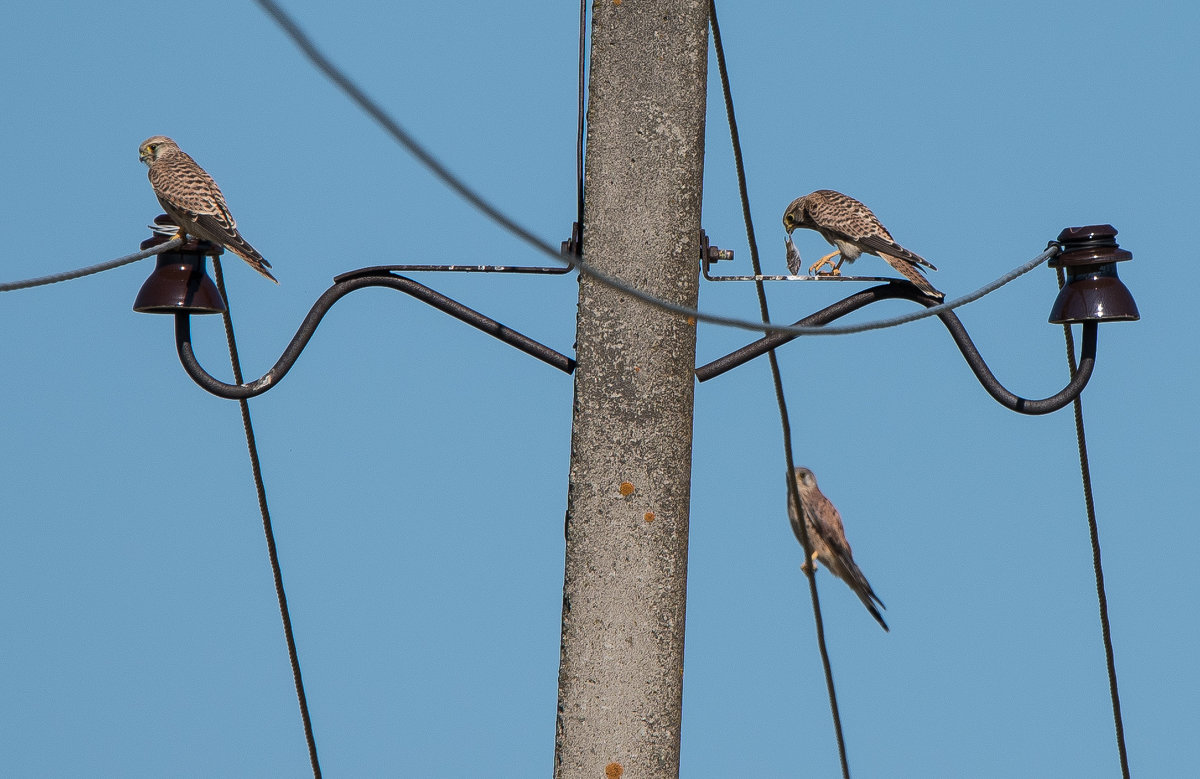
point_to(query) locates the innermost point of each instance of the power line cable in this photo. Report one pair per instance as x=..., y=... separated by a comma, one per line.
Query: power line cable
x=1094, y=533
x=440, y=171
x=941, y=308
x=90, y=269
x=785, y=422
x=272, y=553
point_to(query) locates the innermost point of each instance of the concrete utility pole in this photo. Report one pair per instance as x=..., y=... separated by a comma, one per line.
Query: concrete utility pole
x=620, y=685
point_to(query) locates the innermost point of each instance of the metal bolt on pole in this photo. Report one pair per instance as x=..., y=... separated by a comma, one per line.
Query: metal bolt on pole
x=625, y=585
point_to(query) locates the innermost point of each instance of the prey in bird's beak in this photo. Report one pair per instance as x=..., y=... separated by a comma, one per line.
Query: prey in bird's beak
x=794, y=261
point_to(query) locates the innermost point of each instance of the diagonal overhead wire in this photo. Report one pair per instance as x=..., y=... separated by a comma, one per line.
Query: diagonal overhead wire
x=1094, y=533
x=777, y=379
x=443, y=173
x=268, y=530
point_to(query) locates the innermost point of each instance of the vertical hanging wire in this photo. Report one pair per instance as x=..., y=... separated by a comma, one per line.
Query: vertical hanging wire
x=1090, y=505
x=272, y=554
x=580, y=122
x=785, y=423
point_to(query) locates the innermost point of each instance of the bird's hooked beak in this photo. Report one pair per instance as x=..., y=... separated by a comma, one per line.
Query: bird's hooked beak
x=144, y=154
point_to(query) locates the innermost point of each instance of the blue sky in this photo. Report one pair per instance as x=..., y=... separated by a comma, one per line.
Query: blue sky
x=417, y=470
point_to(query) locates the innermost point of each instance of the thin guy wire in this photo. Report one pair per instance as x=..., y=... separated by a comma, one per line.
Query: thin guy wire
x=89, y=270
x=582, y=114
x=272, y=553
x=355, y=93
x=785, y=422
x=1096, y=564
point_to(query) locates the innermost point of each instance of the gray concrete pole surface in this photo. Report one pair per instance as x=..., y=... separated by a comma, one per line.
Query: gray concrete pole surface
x=621, y=674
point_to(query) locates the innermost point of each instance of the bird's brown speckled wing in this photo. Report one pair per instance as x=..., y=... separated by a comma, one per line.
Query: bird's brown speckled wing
x=827, y=535
x=190, y=195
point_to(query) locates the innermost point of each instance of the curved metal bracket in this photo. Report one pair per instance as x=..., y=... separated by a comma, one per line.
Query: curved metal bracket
x=344, y=285
x=955, y=327
x=1079, y=380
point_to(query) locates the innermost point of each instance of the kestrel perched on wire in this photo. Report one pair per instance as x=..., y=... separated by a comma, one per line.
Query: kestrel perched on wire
x=828, y=539
x=853, y=229
x=191, y=198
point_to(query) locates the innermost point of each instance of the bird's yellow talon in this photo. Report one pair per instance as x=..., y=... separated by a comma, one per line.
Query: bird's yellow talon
x=815, y=268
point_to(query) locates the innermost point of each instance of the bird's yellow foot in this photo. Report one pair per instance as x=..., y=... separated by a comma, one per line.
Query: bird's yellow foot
x=815, y=268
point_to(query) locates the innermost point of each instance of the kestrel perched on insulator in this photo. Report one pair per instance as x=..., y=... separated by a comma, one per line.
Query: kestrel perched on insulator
x=853, y=229
x=827, y=537
x=194, y=201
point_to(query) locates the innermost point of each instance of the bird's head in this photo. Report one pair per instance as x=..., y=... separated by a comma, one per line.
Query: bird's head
x=805, y=480
x=795, y=215
x=152, y=148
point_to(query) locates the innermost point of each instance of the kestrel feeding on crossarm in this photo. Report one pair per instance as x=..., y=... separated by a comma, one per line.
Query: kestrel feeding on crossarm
x=828, y=539
x=194, y=201
x=853, y=229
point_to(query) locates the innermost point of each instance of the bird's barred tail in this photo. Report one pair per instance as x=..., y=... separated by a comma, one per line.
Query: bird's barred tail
x=241, y=248
x=864, y=592
x=911, y=273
